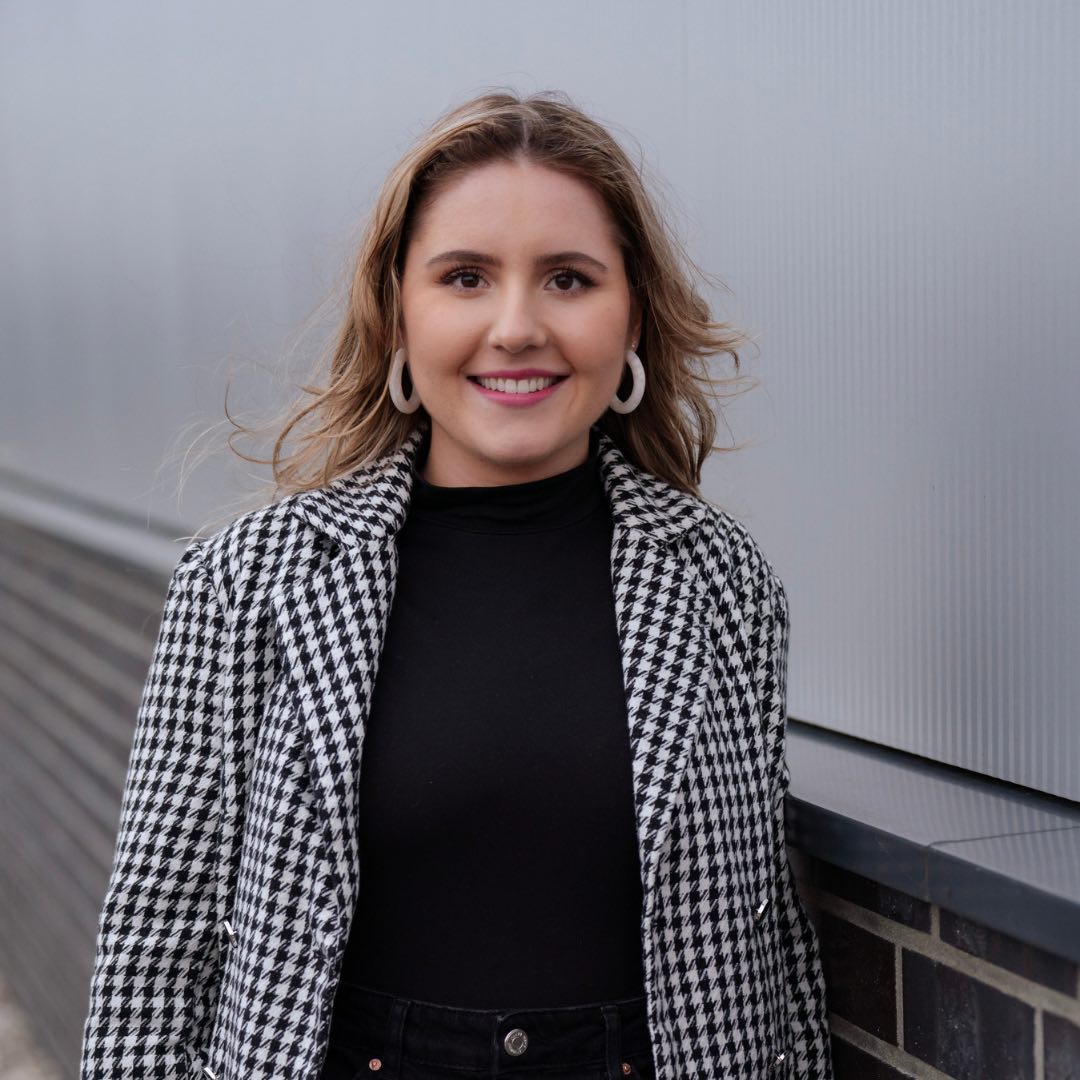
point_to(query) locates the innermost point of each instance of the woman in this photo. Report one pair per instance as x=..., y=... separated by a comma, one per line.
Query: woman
x=564, y=672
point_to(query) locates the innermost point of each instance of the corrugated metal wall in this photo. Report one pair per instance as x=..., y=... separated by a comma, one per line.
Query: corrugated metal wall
x=888, y=189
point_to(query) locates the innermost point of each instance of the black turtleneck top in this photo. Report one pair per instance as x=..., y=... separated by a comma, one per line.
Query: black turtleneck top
x=498, y=862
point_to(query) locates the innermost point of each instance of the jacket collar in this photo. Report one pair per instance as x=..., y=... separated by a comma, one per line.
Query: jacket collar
x=372, y=502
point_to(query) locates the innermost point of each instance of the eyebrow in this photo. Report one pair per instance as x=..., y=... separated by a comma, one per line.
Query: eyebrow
x=541, y=262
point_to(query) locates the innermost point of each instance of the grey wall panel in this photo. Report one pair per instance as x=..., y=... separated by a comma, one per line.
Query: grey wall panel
x=887, y=188
x=907, y=231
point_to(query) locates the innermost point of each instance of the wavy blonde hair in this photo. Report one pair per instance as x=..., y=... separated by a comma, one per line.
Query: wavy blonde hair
x=349, y=419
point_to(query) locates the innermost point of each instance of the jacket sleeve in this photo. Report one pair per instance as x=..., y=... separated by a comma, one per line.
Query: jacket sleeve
x=802, y=975
x=157, y=940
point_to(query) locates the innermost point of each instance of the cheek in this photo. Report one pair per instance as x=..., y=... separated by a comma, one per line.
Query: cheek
x=597, y=338
x=441, y=331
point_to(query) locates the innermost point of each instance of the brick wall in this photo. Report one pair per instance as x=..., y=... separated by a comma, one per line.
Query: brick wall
x=917, y=991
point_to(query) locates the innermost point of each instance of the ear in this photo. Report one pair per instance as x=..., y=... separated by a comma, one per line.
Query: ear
x=636, y=319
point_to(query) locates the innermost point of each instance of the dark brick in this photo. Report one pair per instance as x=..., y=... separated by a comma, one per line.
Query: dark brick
x=968, y=1030
x=851, y=1063
x=867, y=893
x=860, y=975
x=1009, y=952
x=1061, y=1048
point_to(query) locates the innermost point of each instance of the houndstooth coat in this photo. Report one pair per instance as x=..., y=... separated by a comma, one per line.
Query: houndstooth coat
x=236, y=867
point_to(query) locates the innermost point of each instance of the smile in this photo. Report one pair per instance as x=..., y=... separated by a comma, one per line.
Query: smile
x=517, y=391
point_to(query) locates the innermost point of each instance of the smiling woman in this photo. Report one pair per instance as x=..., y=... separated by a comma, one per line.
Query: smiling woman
x=466, y=756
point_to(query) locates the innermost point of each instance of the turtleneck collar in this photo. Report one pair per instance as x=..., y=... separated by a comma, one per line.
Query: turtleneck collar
x=534, y=506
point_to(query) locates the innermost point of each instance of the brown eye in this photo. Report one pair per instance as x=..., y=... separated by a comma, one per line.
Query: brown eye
x=567, y=277
x=464, y=277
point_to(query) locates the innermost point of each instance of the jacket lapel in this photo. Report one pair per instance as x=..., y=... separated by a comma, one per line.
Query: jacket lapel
x=664, y=641
x=331, y=619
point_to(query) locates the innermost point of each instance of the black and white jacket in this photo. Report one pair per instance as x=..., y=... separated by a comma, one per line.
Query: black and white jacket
x=236, y=867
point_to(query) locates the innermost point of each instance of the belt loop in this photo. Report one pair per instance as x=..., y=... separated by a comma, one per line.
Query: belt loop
x=395, y=1036
x=613, y=1041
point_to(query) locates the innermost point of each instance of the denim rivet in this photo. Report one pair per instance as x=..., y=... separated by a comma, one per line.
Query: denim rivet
x=516, y=1042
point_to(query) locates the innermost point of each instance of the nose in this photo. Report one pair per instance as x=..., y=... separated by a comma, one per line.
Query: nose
x=516, y=324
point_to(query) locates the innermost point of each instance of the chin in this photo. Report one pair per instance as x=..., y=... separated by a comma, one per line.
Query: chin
x=517, y=454
x=514, y=452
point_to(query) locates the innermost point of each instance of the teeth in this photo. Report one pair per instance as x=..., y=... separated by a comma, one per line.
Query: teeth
x=516, y=386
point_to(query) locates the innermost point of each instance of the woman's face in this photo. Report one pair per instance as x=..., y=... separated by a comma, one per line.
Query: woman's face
x=513, y=272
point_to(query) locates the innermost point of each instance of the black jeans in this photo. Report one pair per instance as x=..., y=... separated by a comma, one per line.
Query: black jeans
x=376, y=1035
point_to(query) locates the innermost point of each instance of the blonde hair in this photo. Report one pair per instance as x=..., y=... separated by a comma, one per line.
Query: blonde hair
x=350, y=419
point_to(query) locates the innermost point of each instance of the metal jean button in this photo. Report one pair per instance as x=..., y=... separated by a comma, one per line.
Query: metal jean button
x=516, y=1042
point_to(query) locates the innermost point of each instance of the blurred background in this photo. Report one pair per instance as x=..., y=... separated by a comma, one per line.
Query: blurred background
x=888, y=192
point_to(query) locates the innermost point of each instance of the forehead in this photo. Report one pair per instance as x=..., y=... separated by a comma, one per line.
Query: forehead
x=516, y=200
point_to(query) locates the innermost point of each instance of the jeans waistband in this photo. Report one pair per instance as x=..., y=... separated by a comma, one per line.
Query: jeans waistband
x=500, y=1041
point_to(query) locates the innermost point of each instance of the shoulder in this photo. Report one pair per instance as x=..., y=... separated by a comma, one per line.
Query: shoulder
x=736, y=555
x=252, y=553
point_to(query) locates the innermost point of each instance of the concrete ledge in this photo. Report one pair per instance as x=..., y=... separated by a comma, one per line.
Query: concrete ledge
x=998, y=854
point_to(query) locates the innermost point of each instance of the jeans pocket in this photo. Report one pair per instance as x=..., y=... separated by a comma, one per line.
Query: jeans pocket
x=641, y=1067
x=347, y=1061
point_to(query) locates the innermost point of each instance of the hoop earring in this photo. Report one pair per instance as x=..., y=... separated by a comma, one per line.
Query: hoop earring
x=638, y=371
x=397, y=393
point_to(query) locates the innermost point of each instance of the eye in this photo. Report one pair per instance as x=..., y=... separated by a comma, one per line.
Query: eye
x=567, y=272
x=464, y=276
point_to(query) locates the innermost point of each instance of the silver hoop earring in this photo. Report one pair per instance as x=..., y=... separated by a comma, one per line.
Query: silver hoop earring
x=397, y=393
x=638, y=371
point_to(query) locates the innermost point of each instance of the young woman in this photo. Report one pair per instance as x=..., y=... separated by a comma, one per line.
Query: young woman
x=465, y=757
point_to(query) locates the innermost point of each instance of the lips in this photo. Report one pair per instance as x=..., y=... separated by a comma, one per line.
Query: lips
x=504, y=397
